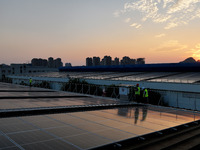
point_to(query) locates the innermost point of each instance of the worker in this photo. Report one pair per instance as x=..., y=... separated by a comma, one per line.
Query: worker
x=145, y=96
x=137, y=93
x=30, y=82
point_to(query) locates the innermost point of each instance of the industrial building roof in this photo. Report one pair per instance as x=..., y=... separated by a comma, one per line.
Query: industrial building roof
x=87, y=127
x=172, y=77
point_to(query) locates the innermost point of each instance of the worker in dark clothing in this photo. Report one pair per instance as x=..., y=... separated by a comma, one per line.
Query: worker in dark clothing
x=137, y=93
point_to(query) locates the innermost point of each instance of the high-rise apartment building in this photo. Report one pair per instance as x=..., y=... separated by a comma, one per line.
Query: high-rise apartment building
x=68, y=64
x=140, y=60
x=115, y=61
x=125, y=60
x=88, y=61
x=106, y=61
x=96, y=61
x=132, y=61
x=39, y=62
x=51, y=62
x=58, y=63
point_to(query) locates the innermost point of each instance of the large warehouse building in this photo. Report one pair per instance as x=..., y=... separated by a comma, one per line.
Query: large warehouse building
x=178, y=84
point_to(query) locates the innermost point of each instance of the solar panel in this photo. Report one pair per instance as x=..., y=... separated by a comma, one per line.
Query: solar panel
x=85, y=130
x=51, y=102
x=189, y=77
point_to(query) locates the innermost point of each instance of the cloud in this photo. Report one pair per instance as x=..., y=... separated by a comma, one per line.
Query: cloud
x=195, y=52
x=172, y=45
x=198, y=46
x=171, y=13
x=116, y=14
x=136, y=25
x=183, y=5
x=171, y=25
x=160, y=35
x=127, y=20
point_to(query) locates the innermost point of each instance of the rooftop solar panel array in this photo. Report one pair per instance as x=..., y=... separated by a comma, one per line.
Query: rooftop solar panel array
x=81, y=129
x=51, y=102
x=145, y=76
x=189, y=77
x=85, y=130
x=177, y=77
x=4, y=87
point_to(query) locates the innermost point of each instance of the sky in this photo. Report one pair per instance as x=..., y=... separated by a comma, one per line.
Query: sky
x=161, y=31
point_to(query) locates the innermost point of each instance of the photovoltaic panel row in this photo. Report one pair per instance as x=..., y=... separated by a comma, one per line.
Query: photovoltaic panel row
x=110, y=76
x=31, y=94
x=145, y=76
x=22, y=100
x=68, y=74
x=85, y=130
x=10, y=87
x=51, y=102
x=189, y=77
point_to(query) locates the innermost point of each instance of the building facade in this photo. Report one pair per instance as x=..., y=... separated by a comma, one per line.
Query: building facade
x=96, y=61
x=88, y=61
x=107, y=61
x=140, y=60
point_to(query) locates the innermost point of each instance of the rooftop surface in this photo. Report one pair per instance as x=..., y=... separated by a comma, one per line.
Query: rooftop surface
x=172, y=77
x=81, y=129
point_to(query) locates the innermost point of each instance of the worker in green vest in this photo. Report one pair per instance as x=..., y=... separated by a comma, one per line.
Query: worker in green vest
x=146, y=96
x=30, y=82
x=137, y=93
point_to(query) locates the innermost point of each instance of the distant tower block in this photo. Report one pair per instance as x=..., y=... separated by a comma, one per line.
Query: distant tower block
x=88, y=61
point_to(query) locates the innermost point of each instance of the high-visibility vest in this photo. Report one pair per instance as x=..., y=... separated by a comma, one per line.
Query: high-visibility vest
x=30, y=81
x=138, y=91
x=145, y=94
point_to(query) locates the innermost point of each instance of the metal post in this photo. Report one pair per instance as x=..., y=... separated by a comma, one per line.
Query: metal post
x=177, y=99
x=70, y=87
x=87, y=90
x=96, y=91
x=112, y=92
x=76, y=88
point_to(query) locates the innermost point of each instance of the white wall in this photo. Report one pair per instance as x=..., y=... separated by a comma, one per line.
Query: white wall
x=183, y=95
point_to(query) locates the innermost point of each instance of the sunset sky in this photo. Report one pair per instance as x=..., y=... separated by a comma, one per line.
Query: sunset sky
x=161, y=31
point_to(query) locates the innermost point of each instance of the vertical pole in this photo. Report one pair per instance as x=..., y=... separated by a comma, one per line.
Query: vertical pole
x=177, y=99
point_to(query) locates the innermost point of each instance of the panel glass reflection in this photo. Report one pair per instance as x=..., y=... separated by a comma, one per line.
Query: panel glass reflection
x=88, y=129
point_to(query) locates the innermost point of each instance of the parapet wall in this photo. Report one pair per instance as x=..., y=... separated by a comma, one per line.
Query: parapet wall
x=182, y=95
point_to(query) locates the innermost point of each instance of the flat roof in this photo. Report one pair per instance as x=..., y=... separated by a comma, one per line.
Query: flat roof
x=81, y=129
x=86, y=130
